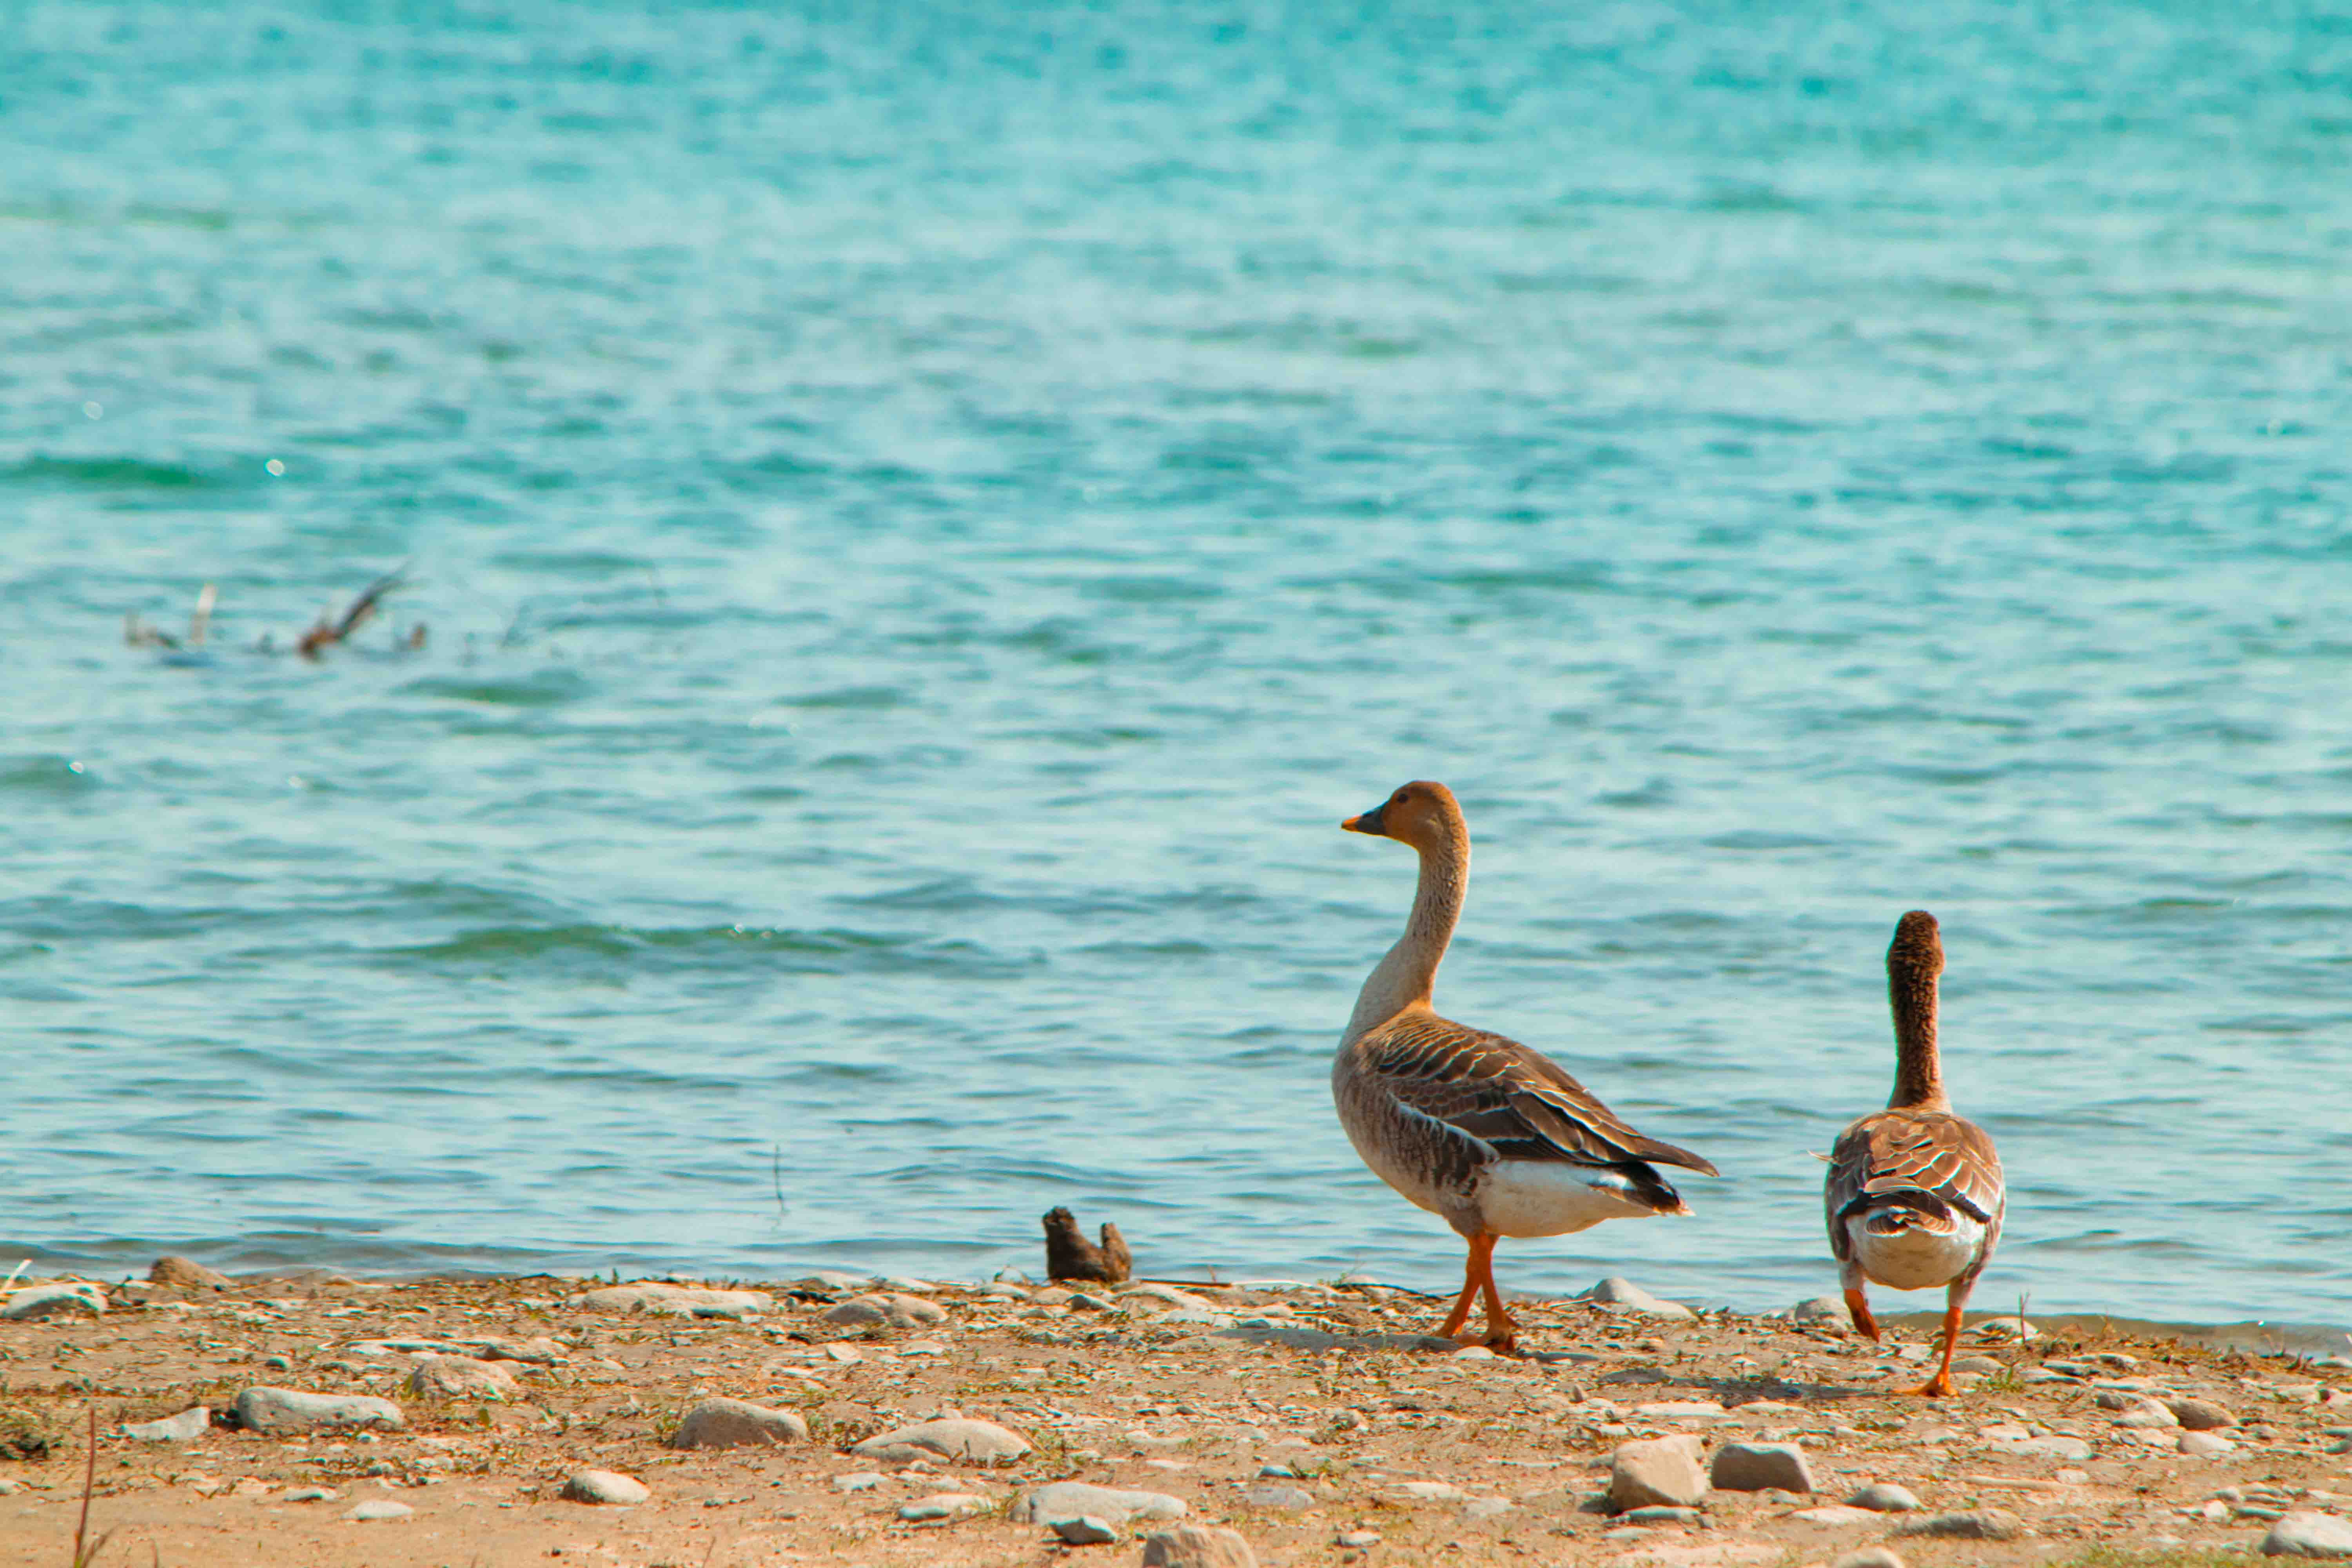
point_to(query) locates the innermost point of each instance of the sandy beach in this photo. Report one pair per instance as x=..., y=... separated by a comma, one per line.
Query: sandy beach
x=1314, y=1420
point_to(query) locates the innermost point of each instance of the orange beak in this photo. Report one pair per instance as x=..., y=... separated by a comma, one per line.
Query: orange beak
x=1369, y=822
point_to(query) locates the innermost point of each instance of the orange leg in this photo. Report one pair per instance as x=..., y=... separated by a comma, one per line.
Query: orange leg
x=1470, y=1282
x=1502, y=1334
x=1940, y=1385
x=1858, y=1305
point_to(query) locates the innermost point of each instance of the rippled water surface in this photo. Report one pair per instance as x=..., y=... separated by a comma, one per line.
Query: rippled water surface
x=925, y=521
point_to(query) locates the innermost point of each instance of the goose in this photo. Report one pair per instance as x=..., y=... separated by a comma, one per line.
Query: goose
x=1913, y=1194
x=1491, y=1136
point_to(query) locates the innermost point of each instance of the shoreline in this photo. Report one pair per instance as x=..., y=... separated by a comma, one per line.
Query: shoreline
x=1320, y=1421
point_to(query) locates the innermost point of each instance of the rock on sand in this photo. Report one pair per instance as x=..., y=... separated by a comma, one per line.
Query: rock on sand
x=605, y=1486
x=277, y=1411
x=1624, y=1293
x=63, y=1297
x=975, y=1442
x=1752, y=1467
x=1661, y=1471
x=664, y=1299
x=175, y=1272
x=1975, y=1524
x=1072, y=1500
x=459, y=1377
x=2306, y=1535
x=185, y=1428
x=1197, y=1546
x=737, y=1424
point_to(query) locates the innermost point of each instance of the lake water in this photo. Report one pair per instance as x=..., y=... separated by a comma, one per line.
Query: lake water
x=926, y=520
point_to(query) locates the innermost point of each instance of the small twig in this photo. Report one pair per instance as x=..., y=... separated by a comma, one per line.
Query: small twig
x=13, y=1273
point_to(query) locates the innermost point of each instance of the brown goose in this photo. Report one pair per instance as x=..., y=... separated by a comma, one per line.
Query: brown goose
x=1491, y=1136
x=1915, y=1195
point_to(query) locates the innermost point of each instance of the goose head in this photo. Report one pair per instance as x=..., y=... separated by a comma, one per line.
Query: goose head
x=1422, y=813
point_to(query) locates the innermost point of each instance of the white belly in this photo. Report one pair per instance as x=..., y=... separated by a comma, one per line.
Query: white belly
x=1551, y=1197
x=1915, y=1259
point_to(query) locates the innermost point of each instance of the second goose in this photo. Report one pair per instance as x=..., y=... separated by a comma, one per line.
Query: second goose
x=1492, y=1137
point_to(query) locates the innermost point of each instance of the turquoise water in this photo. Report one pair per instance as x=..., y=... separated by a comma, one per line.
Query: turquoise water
x=925, y=522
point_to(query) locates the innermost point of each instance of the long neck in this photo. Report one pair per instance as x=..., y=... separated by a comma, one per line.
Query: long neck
x=1407, y=973
x=1918, y=1070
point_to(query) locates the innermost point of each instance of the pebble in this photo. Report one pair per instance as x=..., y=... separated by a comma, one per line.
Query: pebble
x=1289, y=1497
x=2147, y=1414
x=943, y=1505
x=2200, y=1415
x=185, y=1428
x=1624, y=1293
x=1884, y=1496
x=1975, y=1524
x=1432, y=1491
x=1085, y=1531
x=739, y=1423
x=1869, y=1557
x=62, y=1299
x=278, y=1411
x=605, y=1486
x=1982, y=1366
x=663, y=1300
x=1071, y=1499
x=1360, y=1539
x=380, y=1508
x=1834, y=1517
x=955, y=1438
x=1480, y=1509
x=459, y=1377
x=1819, y=1309
x=312, y=1494
x=1168, y=1295
x=1197, y=1546
x=846, y=1354
x=176, y=1273
x=1657, y=1470
x=1655, y=1514
x=2053, y=1447
x=2206, y=1444
x=859, y=1482
x=898, y=1311
x=2308, y=1534
x=1752, y=1467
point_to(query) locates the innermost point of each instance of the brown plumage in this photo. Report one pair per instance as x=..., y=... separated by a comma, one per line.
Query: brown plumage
x=1488, y=1133
x=1915, y=1196
x=1070, y=1256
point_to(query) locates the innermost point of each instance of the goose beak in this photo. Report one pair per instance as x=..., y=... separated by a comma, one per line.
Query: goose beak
x=1369, y=822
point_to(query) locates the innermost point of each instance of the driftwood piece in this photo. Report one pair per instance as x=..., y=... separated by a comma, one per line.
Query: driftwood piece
x=1070, y=1256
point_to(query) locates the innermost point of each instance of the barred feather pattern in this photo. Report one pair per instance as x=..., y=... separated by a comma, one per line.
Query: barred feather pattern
x=1929, y=1162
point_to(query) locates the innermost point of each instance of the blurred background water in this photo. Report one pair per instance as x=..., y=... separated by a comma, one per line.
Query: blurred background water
x=926, y=516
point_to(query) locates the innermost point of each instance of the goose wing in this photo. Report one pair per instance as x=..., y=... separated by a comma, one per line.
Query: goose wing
x=1907, y=1155
x=1516, y=1099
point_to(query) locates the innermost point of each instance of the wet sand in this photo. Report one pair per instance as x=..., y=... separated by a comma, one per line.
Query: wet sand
x=1463, y=1458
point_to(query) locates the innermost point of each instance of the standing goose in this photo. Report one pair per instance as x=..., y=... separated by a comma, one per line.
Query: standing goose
x=1915, y=1195
x=1489, y=1135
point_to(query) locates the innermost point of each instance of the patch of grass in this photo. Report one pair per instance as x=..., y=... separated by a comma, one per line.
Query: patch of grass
x=28, y=1434
x=2177, y=1557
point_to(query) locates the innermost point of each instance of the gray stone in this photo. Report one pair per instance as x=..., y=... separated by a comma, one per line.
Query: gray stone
x=1884, y=1496
x=1197, y=1546
x=1658, y=1470
x=312, y=1494
x=1819, y=1309
x=1627, y=1296
x=898, y=1311
x=1975, y=1524
x=1070, y=1499
x=2201, y=1414
x=663, y=1300
x=459, y=1377
x=2308, y=1534
x=859, y=1482
x=61, y=1299
x=737, y=1424
x=2056, y=1447
x=605, y=1486
x=1133, y=1297
x=1361, y=1538
x=1085, y=1531
x=1869, y=1557
x=2144, y=1414
x=943, y=1505
x=1835, y=1518
x=1752, y=1467
x=1432, y=1491
x=277, y=1411
x=2205, y=1444
x=1659, y=1514
x=185, y=1428
x=380, y=1508
x=1290, y=1499
x=176, y=1273
x=973, y=1442
x=1478, y=1509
